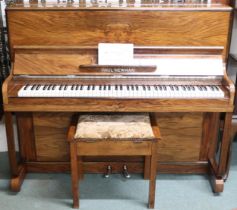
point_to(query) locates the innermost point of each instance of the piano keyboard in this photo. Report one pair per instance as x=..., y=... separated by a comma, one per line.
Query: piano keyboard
x=122, y=91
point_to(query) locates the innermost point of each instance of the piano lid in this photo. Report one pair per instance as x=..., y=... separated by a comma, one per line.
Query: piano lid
x=148, y=61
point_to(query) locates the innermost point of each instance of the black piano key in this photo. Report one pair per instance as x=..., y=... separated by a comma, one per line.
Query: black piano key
x=33, y=87
x=38, y=87
x=132, y=87
x=60, y=87
x=121, y=87
x=148, y=87
x=65, y=87
x=136, y=87
x=205, y=88
x=93, y=87
x=192, y=87
x=216, y=87
x=164, y=87
x=81, y=88
x=160, y=87
x=116, y=87
x=77, y=87
x=49, y=87
x=212, y=88
x=200, y=88
x=73, y=86
x=45, y=87
x=104, y=87
x=172, y=87
x=53, y=87
x=188, y=88
x=155, y=86
x=127, y=87
x=88, y=87
x=176, y=87
x=26, y=86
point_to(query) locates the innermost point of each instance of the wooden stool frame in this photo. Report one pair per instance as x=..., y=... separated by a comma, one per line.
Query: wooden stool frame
x=130, y=147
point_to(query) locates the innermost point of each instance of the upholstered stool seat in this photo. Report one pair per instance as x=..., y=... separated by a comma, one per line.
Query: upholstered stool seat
x=113, y=135
x=113, y=126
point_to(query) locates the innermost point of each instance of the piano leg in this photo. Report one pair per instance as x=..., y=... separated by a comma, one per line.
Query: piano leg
x=219, y=170
x=18, y=171
x=226, y=142
x=217, y=183
x=17, y=181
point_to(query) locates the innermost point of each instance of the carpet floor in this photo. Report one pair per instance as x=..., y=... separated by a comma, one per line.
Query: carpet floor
x=173, y=192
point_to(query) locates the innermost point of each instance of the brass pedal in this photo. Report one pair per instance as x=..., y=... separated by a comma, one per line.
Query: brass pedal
x=125, y=172
x=109, y=170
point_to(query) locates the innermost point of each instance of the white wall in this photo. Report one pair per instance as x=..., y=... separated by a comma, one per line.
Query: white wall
x=233, y=48
x=3, y=140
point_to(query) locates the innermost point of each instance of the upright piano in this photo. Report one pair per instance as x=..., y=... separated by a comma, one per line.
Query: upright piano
x=179, y=72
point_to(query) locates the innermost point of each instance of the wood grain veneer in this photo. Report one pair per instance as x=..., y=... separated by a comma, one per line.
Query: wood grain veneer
x=181, y=131
x=151, y=28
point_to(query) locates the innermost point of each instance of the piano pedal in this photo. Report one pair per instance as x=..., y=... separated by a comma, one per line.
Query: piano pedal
x=108, y=172
x=125, y=172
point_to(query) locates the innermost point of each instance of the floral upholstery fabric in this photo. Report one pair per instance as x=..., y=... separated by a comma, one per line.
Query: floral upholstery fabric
x=114, y=126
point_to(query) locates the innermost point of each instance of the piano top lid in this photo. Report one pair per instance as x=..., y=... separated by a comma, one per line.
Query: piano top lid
x=118, y=5
x=157, y=61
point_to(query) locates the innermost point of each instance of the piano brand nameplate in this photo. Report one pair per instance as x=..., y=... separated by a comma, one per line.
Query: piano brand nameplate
x=117, y=69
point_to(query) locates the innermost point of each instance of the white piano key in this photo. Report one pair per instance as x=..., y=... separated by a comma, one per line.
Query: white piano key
x=149, y=91
x=21, y=92
x=27, y=92
x=35, y=92
x=220, y=93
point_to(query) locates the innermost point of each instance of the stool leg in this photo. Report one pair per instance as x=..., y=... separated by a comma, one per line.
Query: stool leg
x=147, y=166
x=152, y=183
x=74, y=175
x=80, y=170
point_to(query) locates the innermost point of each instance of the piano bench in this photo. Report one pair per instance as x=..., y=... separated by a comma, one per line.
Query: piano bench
x=113, y=135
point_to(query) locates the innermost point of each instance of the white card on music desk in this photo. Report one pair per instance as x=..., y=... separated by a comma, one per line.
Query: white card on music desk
x=115, y=54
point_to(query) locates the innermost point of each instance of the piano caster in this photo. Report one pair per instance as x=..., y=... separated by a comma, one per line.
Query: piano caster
x=109, y=170
x=125, y=172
